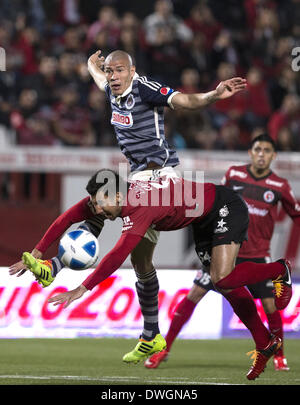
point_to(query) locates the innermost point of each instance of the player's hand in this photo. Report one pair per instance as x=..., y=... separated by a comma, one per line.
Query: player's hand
x=68, y=296
x=228, y=88
x=96, y=60
x=19, y=268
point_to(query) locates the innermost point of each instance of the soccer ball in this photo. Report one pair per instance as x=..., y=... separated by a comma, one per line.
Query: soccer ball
x=78, y=249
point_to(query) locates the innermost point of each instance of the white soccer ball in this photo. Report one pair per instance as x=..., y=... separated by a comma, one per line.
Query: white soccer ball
x=78, y=249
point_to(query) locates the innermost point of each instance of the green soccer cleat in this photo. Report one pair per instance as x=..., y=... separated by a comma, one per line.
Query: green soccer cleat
x=42, y=269
x=145, y=349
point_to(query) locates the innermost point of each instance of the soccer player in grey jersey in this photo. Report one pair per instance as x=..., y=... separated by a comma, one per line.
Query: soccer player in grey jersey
x=137, y=105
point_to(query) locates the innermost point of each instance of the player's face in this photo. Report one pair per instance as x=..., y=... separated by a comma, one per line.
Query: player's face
x=110, y=206
x=96, y=209
x=262, y=154
x=119, y=75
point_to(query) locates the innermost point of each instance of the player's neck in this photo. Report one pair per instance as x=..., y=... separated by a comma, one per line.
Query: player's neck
x=256, y=172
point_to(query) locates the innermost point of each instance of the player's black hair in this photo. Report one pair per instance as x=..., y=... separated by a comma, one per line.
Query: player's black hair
x=263, y=138
x=109, y=178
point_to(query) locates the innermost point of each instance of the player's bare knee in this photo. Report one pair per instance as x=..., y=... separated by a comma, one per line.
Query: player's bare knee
x=196, y=294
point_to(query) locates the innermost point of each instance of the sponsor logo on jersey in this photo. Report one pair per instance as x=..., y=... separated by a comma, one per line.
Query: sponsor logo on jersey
x=269, y=196
x=237, y=173
x=127, y=223
x=256, y=211
x=121, y=120
x=274, y=183
x=166, y=90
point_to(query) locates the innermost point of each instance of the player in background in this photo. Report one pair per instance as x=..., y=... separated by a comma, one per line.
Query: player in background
x=137, y=105
x=262, y=190
x=203, y=206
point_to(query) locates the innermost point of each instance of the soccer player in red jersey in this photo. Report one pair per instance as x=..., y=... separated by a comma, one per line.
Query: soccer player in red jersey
x=262, y=190
x=172, y=205
x=138, y=104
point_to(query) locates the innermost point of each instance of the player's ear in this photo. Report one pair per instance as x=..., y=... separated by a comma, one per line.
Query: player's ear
x=119, y=198
x=132, y=70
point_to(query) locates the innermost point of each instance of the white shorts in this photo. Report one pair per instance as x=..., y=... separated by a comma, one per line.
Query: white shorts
x=153, y=174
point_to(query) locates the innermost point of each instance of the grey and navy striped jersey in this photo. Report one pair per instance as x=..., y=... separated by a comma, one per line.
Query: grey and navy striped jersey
x=138, y=120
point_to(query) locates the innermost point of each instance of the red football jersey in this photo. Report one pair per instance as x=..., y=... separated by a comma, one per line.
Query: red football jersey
x=262, y=196
x=165, y=205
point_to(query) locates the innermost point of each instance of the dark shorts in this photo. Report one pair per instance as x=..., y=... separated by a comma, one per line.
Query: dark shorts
x=263, y=289
x=227, y=222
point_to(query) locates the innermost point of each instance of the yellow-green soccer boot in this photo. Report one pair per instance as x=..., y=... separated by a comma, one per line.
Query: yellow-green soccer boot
x=144, y=349
x=42, y=269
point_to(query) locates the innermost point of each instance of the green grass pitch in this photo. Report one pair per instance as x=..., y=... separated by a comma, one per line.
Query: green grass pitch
x=85, y=361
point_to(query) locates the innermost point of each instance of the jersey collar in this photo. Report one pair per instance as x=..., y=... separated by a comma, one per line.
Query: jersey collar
x=257, y=178
x=127, y=91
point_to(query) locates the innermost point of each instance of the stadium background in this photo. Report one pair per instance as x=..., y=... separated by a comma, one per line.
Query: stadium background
x=55, y=132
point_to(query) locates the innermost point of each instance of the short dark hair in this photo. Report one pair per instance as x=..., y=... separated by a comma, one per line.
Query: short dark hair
x=263, y=138
x=106, y=177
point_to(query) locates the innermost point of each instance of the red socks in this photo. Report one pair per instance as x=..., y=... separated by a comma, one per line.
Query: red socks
x=275, y=326
x=182, y=314
x=250, y=273
x=243, y=305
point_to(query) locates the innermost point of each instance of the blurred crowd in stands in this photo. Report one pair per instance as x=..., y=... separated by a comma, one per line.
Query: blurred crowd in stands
x=47, y=96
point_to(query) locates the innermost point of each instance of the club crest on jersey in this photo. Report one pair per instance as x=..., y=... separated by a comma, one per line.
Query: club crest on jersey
x=166, y=90
x=269, y=196
x=129, y=103
x=121, y=120
x=224, y=211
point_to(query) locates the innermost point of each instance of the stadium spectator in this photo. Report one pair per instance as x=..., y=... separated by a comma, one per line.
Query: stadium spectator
x=285, y=83
x=232, y=108
x=285, y=140
x=288, y=115
x=190, y=80
x=36, y=130
x=201, y=20
x=27, y=45
x=258, y=108
x=100, y=116
x=108, y=21
x=43, y=81
x=66, y=70
x=71, y=122
x=27, y=106
x=164, y=19
x=199, y=59
x=229, y=137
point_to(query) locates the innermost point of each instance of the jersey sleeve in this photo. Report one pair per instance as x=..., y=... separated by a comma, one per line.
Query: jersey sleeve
x=225, y=178
x=138, y=222
x=290, y=204
x=112, y=261
x=155, y=93
x=77, y=213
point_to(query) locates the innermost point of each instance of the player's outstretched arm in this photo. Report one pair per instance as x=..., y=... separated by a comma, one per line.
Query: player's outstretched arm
x=19, y=267
x=109, y=264
x=95, y=65
x=68, y=296
x=224, y=90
